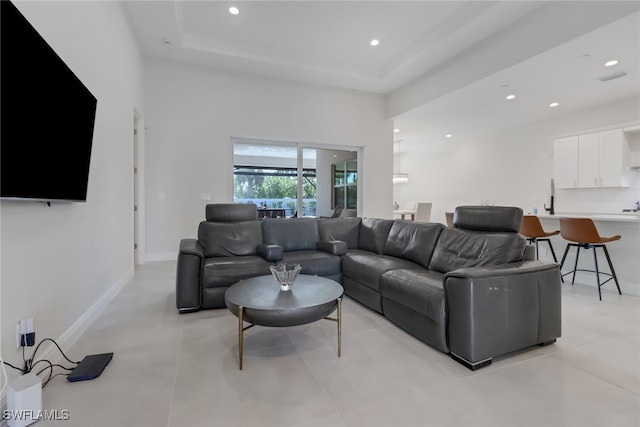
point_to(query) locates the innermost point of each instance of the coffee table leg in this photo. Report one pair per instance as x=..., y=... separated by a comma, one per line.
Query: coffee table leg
x=339, y=326
x=338, y=320
x=240, y=334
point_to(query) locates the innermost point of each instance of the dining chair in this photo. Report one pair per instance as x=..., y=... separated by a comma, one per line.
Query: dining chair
x=423, y=212
x=449, y=218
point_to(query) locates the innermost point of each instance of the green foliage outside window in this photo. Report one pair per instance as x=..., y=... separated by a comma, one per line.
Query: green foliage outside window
x=271, y=187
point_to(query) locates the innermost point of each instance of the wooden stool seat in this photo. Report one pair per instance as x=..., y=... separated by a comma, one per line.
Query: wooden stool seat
x=533, y=231
x=584, y=234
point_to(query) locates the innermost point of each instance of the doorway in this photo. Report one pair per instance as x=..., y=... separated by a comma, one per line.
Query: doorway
x=139, y=253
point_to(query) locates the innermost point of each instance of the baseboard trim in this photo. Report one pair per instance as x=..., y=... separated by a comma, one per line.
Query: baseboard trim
x=162, y=256
x=71, y=335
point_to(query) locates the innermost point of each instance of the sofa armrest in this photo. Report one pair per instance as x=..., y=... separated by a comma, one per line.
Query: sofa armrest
x=335, y=247
x=188, y=272
x=270, y=252
x=191, y=247
x=512, y=268
x=494, y=310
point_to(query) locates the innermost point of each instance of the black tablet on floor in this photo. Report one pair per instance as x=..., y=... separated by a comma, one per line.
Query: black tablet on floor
x=91, y=367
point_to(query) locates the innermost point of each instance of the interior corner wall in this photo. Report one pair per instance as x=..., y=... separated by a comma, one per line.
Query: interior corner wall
x=193, y=114
x=59, y=262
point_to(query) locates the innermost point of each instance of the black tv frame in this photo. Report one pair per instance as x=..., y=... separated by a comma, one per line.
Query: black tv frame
x=47, y=118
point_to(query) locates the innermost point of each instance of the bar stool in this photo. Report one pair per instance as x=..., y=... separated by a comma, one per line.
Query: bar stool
x=583, y=232
x=532, y=230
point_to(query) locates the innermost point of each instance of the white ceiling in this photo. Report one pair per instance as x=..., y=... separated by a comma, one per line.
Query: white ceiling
x=324, y=42
x=568, y=74
x=327, y=43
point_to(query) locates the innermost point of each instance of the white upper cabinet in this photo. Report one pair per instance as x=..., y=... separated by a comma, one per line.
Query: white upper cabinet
x=591, y=160
x=614, y=153
x=565, y=162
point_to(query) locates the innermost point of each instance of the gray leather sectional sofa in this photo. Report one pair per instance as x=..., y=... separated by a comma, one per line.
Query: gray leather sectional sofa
x=469, y=290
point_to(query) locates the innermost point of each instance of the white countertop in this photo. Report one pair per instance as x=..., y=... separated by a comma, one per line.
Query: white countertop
x=622, y=216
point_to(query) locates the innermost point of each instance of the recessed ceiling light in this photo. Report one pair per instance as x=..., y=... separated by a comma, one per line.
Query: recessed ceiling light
x=511, y=96
x=554, y=104
x=396, y=130
x=234, y=10
x=448, y=135
x=374, y=42
x=611, y=63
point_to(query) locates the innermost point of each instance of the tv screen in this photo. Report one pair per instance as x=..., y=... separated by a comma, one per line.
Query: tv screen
x=47, y=117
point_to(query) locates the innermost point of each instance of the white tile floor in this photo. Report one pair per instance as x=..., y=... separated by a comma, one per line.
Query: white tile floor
x=182, y=370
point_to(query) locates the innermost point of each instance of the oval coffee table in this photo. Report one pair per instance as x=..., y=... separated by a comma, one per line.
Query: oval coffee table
x=260, y=301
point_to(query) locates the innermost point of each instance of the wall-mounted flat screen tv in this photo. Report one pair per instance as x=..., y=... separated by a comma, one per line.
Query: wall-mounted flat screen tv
x=47, y=117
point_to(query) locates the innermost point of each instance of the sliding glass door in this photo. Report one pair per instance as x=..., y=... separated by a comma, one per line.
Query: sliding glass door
x=291, y=180
x=345, y=184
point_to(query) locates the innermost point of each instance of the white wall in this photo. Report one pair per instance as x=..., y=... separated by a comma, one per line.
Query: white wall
x=59, y=262
x=193, y=114
x=513, y=167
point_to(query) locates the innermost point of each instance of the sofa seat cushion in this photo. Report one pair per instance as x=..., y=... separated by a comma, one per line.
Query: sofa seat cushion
x=367, y=268
x=314, y=262
x=352, y=252
x=225, y=271
x=418, y=289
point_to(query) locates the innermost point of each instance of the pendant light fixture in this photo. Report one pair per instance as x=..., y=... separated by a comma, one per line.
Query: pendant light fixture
x=399, y=177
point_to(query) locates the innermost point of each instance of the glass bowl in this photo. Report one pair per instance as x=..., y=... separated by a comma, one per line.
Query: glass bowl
x=285, y=274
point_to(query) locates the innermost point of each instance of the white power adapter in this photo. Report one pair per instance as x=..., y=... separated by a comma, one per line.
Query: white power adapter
x=24, y=401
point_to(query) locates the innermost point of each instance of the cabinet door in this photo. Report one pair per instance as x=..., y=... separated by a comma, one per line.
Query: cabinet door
x=612, y=158
x=565, y=162
x=589, y=160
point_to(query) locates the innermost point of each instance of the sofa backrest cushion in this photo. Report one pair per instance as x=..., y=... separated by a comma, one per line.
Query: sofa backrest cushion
x=344, y=229
x=231, y=212
x=293, y=234
x=488, y=218
x=230, y=238
x=458, y=248
x=413, y=241
x=373, y=234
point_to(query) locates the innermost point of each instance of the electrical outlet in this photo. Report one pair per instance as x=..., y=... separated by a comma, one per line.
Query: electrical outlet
x=25, y=333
